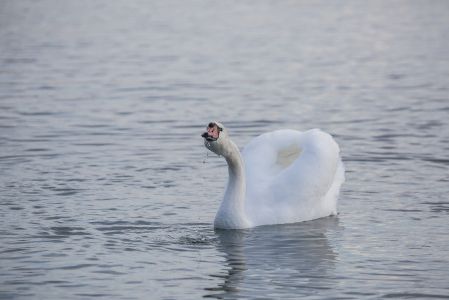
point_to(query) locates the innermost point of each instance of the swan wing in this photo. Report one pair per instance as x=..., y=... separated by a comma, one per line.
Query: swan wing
x=292, y=176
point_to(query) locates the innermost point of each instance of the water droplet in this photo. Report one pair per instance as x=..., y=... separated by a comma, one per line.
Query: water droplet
x=205, y=159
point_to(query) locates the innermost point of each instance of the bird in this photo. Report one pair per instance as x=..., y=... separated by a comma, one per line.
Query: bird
x=282, y=176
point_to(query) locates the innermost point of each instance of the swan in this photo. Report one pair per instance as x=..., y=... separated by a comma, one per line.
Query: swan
x=283, y=176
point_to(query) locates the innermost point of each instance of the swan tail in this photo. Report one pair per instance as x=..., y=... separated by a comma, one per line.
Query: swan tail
x=330, y=200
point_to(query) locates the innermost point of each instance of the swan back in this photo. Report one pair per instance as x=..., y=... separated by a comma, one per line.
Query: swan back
x=292, y=176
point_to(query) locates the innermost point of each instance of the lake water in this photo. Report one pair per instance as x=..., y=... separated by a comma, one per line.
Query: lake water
x=106, y=189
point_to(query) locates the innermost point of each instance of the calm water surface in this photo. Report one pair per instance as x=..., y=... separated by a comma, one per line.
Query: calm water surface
x=105, y=187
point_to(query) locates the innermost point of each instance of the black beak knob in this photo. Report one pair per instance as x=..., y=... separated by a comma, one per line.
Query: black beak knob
x=205, y=135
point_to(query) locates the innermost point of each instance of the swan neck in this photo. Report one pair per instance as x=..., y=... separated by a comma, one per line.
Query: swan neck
x=232, y=209
x=235, y=162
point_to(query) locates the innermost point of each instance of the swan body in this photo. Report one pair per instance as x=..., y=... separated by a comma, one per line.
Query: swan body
x=283, y=176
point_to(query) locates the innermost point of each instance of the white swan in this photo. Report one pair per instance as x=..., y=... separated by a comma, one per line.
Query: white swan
x=284, y=176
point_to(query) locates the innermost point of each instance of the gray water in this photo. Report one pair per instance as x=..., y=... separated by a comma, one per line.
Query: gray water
x=106, y=190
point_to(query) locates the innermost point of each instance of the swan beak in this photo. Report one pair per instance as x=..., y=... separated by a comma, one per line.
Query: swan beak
x=213, y=132
x=208, y=137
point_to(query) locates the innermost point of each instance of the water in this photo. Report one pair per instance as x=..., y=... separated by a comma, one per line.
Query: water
x=103, y=189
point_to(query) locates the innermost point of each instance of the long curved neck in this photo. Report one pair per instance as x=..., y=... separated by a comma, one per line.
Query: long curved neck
x=231, y=214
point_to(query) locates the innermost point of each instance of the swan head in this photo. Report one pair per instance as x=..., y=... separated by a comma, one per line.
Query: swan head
x=216, y=138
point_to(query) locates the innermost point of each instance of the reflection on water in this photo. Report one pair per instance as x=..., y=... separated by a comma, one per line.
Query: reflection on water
x=291, y=257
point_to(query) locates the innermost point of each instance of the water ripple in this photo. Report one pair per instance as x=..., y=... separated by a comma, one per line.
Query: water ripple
x=103, y=189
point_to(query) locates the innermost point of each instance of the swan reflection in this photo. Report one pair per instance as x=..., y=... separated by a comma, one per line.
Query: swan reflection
x=273, y=260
